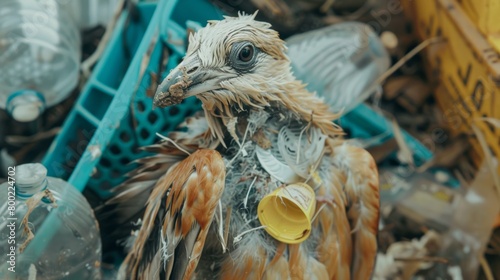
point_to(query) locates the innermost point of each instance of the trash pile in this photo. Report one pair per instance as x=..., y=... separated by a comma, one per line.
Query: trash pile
x=387, y=77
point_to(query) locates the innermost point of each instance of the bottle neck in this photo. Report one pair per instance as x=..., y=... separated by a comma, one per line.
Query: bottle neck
x=25, y=105
x=24, y=191
x=31, y=178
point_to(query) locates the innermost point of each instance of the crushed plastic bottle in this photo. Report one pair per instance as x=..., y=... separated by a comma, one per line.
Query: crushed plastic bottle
x=340, y=62
x=40, y=53
x=472, y=223
x=66, y=241
x=421, y=198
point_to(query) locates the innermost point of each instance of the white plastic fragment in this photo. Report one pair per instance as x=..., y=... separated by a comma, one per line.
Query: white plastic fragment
x=95, y=151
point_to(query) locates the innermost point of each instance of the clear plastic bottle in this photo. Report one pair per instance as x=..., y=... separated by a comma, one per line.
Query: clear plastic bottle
x=425, y=198
x=66, y=243
x=340, y=62
x=472, y=223
x=40, y=52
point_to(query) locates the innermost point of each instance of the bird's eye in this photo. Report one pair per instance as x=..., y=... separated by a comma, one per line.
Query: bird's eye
x=243, y=56
x=246, y=53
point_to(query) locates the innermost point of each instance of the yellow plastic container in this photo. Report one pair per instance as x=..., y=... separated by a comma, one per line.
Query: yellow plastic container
x=456, y=124
x=484, y=14
x=287, y=213
x=466, y=66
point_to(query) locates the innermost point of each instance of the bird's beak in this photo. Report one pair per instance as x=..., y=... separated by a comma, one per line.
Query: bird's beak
x=188, y=79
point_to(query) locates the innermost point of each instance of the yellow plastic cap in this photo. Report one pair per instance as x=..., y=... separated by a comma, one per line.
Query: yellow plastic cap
x=287, y=213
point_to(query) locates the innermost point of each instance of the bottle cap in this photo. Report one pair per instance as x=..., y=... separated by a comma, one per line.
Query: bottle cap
x=25, y=105
x=287, y=212
x=31, y=178
x=389, y=40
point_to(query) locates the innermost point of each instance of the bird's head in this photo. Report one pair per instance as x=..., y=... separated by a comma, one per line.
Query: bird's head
x=235, y=64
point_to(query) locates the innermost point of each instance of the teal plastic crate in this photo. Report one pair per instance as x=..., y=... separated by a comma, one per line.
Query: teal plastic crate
x=99, y=139
x=363, y=122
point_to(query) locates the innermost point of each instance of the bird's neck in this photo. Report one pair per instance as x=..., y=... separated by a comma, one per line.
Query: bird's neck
x=290, y=98
x=293, y=96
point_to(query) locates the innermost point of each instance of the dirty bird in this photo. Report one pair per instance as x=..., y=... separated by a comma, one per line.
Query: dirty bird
x=195, y=200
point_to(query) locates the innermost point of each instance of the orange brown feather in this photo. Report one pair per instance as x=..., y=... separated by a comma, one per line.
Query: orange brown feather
x=183, y=200
x=361, y=187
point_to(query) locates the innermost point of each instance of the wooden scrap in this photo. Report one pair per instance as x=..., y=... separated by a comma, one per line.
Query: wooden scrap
x=410, y=92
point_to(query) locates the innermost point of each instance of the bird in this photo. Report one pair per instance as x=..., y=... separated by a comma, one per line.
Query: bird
x=193, y=202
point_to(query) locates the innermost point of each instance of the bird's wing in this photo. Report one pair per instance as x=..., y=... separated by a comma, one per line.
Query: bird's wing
x=120, y=214
x=359, y=182
x=334, y=249
x=178, y=216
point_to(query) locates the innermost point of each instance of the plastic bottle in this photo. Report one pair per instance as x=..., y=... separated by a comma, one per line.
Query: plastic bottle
x=472, y=223
x=340, y=62
x=422, y=198
x=40, y=53
x=66, y=243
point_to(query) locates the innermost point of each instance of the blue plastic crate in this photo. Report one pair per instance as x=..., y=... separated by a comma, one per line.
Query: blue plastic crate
x=363, y=122
x=99, y=140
